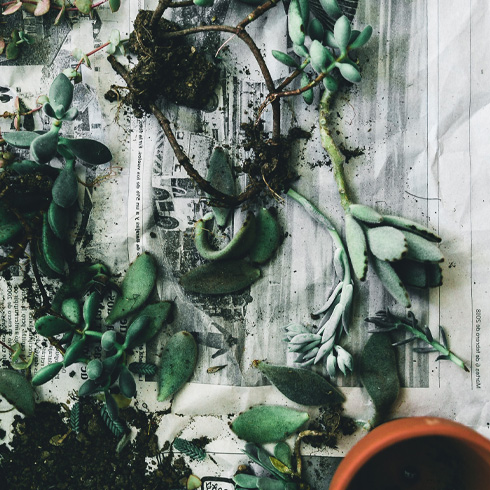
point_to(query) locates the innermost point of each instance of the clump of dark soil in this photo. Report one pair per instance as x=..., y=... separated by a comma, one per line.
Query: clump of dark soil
x=88, y=459
x=169, y=68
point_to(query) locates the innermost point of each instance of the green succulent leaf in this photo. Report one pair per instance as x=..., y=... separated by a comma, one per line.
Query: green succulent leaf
x=127, y=385
x=285, y=59
x=46, y=373
x=387, y=243
x=42, y=7
x=296, y=27
x=379, y=373
x=421, y=249
x=65, y=187
x=53, y=249
x=15, y=388
x=21, y=139
x=302, y=386
x=331, y=7
x=72, y=310
x=342, y=31
x=365, y=213
x=362, y=38
x=330, y=83
x=356, y=244
x=88, y=150
x=349, y=72
x=12, y=51
x=88, y=388
x=391, y=281
x=43, y=148
x=137, y=285
x=301, y=50
x=330, y=40
x=91, y=307
x=157, y=313
x=408, y=225
x=70, y=114
x=61, y=92
x=114, y=4
x=177, y=365
x=220, y=176
x=282, y=452
x=10, y=226
x=74, y=351
x=246, y=481
x=135, y=332
x=308, y=94
x=320, y=57
x=266, y=483
x=49, y=326
x=267, y=423
x=316, y=30
x=59, y=220
x=268, y=236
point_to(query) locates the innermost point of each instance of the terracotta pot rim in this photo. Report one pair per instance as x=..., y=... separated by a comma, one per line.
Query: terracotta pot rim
x=399, y=430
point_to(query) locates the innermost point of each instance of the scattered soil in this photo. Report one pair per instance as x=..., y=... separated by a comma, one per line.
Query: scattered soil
x=87, y=459
x=170, y=68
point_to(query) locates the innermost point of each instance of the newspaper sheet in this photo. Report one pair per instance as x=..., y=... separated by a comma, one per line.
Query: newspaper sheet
x=419, y=120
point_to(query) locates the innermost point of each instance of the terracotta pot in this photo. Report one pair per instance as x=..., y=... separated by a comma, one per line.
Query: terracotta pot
x=416, y=453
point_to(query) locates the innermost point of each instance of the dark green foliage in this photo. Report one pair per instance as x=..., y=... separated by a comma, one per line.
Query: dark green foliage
x=143, y=368
x=46, y=373
x=117, y=427
x=15, y=388
x=189, y=448
x=75, y=417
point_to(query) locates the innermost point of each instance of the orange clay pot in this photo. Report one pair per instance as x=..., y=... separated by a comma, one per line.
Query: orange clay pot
x=416, y=453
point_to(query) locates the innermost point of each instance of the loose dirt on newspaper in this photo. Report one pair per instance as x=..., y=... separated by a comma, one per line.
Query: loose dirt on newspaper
x=46, y=454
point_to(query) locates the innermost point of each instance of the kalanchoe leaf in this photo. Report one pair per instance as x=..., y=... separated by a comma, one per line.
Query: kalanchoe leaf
x=17, y=391
x=88, y=150
x=46, y=373
x=386, y=243
x=285, y=59
x=391, y=281
x=356, y=244
x=365, y=213
x=61, y=92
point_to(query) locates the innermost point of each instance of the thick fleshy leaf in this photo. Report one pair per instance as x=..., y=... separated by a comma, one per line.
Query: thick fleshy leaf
x=220, y=176
x=72, y=310
x=421, y=249
x=409, y=225
x=46, y=373
x=74, y=351
x=349, y=72
x=25, y=167
x=127, y=385
x=157, y=314
x=21, y=139
x=49, y=326
x=268, y=236
x=61, y=92
x=70, y=114
x=302, y=386
x=177, y=364
x=391, y=281
x=11, y=9
x=268, y=423
x=365, y=213
x=356, y=244
x=362, y=38
x=135, y=331
x=387, y=243
x=65, y=187
x=246, y=481
x=296, y=27
x=17, y=391
x=88, y=150
x=308, y=94
x=379, y=372
x=331, y=7
x=342, y=31
x=137, y=285
x=320, y=57
x=53, y=249
x=316, y=30
x=59, y=220
x=43, y=149
x=114, y=4
x=285, y=59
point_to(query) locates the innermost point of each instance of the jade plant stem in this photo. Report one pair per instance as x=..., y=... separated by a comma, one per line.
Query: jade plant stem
x=336, y=156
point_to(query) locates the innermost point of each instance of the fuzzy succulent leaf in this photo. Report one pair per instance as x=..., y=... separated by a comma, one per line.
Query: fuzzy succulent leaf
x=362, y=38
x=356, y=244
x=21, y=139
x=59, y=220
x=15, y=388
x=391, y=281
x=349, y=72
x=308, y=94
x=43, y=148
x=157, y=313
x=342, y=31
x=65, y=187
x=365, y=213
x=421, y=249
x=386, y=243
x=282, y=452
x=246, y=481
x=316, y=30
x=320, y=57
x=268, y=423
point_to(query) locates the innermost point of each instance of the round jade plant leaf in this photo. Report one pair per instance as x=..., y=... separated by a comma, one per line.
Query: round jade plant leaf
x=65, y=187
x=61, y=92
x=90, y=151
